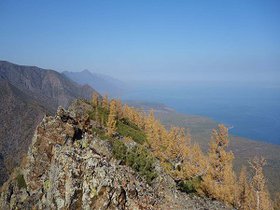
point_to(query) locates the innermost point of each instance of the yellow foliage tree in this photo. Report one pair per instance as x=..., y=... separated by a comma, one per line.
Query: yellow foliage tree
x=149, y=128
x=219, y=181
x=126, y=111
x=134, y=116
x=119, y=109
x=156, y=136
x=245, y=197
x=175, y=149
x=157, y=140
x=95, y=100
x=175, y=145
x=187, y=160
x=112, y=119
x=195, y=163
x=261, y=195
x=105, y=102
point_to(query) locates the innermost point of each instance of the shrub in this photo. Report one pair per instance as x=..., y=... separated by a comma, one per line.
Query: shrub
x=191, y=185
x=119, y=150
x=47, y=184
x=21, y=182
x=102, y=114
x=129, y=123
x=100, y=133
x=141, y=161
x=131, y=130
x=84, y=144
x=137, y=158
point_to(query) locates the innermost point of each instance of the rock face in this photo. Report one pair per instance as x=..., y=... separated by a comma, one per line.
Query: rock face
x=68, y=167
x=26, y=94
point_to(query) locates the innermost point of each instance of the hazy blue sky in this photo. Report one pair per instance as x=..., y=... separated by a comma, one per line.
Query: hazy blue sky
x=146, y=40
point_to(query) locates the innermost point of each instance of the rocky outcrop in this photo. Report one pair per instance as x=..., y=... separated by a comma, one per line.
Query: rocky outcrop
x=68, y=167
x=27, y=93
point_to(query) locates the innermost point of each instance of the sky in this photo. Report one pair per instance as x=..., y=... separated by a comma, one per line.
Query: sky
x=195, y=40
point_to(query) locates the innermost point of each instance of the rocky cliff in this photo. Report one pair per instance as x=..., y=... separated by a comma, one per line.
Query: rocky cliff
x=27, y=93
x=69, y=167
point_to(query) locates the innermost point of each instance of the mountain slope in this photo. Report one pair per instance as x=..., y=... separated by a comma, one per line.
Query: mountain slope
x=201, y=129
x=19, y=115
x=62, y=171
x=26, y=95
x=102, y=83
x=48, y=86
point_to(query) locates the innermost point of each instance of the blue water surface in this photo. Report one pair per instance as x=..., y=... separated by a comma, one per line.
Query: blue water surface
x=252, y=110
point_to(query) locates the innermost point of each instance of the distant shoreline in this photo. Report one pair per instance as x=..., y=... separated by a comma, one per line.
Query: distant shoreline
x=158, y=107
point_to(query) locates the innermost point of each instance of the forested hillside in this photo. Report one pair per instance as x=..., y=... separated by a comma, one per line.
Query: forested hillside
x=209, y=174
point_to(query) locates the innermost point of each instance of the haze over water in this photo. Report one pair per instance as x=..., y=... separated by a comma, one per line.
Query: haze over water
x=250, y=111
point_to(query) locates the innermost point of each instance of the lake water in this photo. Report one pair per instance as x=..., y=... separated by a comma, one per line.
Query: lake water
x=252, y=110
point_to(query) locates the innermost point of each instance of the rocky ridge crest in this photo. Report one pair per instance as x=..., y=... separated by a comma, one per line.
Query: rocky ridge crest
x=69, y=167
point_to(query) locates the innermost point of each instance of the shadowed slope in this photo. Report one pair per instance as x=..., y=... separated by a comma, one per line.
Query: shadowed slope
x=26, y=94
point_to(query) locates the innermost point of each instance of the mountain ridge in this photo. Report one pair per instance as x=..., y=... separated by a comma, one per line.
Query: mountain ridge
x=27, y=93
x=63, y=171
x=104, y=84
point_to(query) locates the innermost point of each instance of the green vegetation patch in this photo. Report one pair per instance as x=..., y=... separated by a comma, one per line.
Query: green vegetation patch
x=21, y=181
x=129, y=123
x=47, y=184
x=100, y=133
x=129, y=129
x=99, y=114
x=138, y=158
x=119, y=150
x=191, y=185
x=124, y=126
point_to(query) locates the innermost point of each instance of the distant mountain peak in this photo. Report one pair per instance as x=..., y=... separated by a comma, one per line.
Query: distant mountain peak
x=86, y=71
x=104, y=84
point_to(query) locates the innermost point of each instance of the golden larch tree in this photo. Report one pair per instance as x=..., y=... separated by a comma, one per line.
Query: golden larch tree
x=126, y=111
x=190, y=161
x=195, y=163
x=156, y=134
x=119, y=108
x=112, y=119
x=219, y=181
x=149, y=128
x=95, y=100
x=245, y=196
x=105, y=102
x=174, y=150
x=174, y=144
x=261, y=195
x=156, y=139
